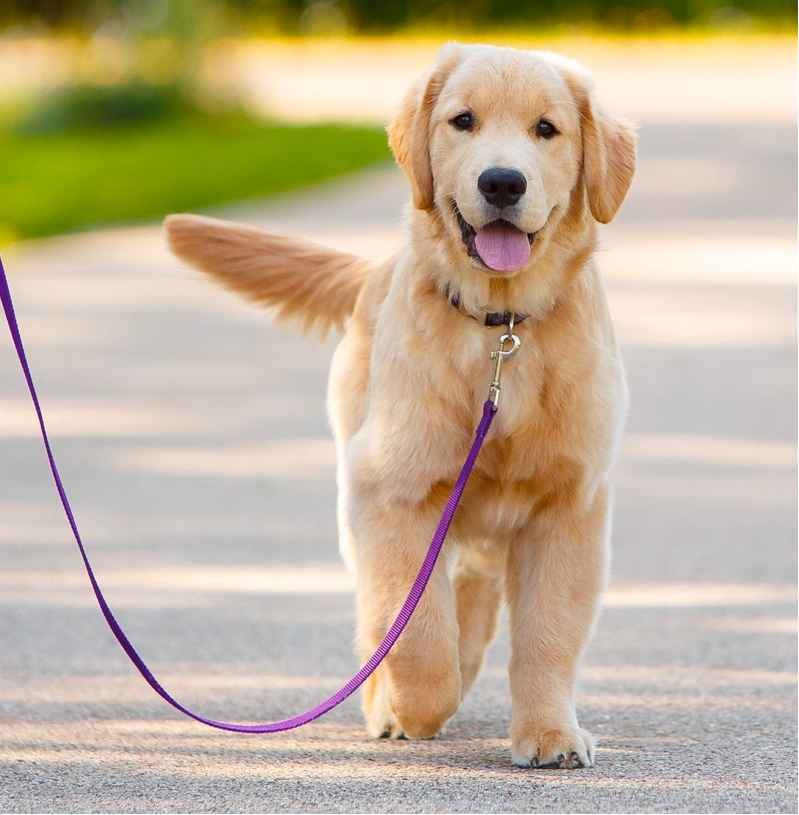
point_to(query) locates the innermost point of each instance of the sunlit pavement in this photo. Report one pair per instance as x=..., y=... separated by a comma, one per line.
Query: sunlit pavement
x=192, y=439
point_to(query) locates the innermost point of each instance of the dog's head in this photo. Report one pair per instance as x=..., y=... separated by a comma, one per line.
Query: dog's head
x=497, y=143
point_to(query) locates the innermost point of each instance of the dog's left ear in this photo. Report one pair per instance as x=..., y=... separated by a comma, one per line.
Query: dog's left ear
x=409, y=132
x=609, y=151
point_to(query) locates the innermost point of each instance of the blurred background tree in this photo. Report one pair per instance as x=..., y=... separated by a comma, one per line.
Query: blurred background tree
x=193, y=18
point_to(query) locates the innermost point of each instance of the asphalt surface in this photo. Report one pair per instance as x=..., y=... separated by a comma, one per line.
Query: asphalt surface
x=192, y=438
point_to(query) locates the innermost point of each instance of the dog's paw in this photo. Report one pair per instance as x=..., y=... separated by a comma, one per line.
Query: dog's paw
x=381, y=723
x=387, y=729
x=562, y=749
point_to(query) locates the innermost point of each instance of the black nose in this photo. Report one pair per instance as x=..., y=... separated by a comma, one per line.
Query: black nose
x=501, y=186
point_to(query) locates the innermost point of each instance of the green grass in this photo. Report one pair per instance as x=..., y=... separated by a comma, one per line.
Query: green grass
x=58, y=183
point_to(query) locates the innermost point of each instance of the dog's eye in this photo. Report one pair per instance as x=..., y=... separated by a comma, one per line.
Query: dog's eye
x=463, y=121
x=545, y=129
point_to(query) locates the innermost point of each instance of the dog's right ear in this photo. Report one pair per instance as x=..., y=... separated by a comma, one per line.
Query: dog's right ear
x=409, y=132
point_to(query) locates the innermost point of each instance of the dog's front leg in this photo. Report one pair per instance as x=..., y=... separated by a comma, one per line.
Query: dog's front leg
x=556, y=571
x=418, y=687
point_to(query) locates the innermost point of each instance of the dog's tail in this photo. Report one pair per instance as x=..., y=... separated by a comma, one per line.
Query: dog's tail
x=301, y=280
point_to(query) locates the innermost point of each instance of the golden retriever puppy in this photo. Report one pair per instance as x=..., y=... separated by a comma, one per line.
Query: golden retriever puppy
x=512, y=163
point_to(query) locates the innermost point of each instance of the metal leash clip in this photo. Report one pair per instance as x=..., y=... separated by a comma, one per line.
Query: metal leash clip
x=499, y=356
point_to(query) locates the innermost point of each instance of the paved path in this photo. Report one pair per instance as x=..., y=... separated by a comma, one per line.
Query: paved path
x=192, y=438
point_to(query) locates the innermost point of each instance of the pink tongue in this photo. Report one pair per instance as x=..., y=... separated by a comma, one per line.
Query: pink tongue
x=502, y=247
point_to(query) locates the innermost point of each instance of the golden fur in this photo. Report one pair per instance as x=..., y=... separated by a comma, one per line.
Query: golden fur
x=411, y=374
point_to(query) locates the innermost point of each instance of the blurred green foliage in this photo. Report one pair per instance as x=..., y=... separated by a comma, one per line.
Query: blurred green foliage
x=83, y=107
x=87, y=176
x=367, y=16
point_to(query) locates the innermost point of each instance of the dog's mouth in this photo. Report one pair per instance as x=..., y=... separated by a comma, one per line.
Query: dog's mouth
x=499, y=245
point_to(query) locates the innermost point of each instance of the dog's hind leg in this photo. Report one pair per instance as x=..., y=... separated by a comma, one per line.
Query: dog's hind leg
x=346, y=397
x=478, y=594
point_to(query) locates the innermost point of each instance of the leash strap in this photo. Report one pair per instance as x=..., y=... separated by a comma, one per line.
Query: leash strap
x=408, y=607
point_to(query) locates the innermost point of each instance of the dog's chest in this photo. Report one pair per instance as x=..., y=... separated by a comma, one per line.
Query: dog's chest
x=552, y=441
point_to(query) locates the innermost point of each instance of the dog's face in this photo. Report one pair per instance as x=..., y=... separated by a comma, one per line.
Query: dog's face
x=497, y=142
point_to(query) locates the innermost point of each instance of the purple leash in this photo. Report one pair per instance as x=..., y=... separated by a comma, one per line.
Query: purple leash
x=408, y=607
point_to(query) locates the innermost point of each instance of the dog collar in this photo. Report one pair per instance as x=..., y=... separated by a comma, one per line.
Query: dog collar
x=492, y=319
